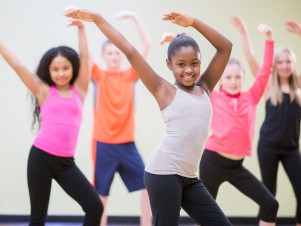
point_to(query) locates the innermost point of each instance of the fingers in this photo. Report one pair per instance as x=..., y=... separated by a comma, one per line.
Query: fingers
x=167, y=37
x=265, y=29
x=69, y=8
x=171, y=16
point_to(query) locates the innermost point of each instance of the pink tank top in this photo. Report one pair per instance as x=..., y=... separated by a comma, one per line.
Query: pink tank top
x=60, y=123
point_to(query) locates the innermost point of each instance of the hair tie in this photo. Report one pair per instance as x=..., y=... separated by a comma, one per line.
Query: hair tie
x=181, y=34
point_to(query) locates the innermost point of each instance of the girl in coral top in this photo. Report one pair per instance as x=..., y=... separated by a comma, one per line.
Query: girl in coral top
x=280, y=130
x=232, y=131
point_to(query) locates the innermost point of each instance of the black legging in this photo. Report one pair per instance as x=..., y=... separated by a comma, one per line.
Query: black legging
x=216, y=169
x=42, y=168
x=291, y=160
x=168, y=193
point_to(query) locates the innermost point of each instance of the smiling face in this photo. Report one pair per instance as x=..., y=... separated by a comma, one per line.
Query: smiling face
x=185, y=64
x=232, y=77
x=61, y=70
x=284, y=65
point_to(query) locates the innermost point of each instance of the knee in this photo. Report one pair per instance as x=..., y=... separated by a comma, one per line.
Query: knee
x=99, y=208
x=269, y=210
x=95, y=208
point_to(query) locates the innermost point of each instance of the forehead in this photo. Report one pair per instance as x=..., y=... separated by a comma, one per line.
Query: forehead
x=233, y=69
x=284, y=56
x=110, y=47
x=59, y=59
x=186, y=52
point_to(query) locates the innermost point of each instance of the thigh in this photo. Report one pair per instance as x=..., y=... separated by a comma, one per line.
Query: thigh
x=77, y=186
x=131, y=168
x=165, y=194
x=201, y=206
x=249, y=185
x=212, y=172
x=105, y=167
x=268, y=163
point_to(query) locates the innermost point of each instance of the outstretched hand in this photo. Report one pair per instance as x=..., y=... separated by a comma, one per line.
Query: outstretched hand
x=179, y=19
x=239, y=24
x=265, y=29
x=167, y=37
x=293, y=26
x=79, y=14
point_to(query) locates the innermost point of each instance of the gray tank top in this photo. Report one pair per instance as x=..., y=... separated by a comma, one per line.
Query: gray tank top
x=187, y=120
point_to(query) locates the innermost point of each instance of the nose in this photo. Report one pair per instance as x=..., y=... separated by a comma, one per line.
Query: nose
x=188, y=70
x=61, y=72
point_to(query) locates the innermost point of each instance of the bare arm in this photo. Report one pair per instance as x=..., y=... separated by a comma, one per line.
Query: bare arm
x=32, y=82
x=82, y=81
x=152, y=81
x=294, y=27
x=246, y=43
x=144, y=36
x=219, y=61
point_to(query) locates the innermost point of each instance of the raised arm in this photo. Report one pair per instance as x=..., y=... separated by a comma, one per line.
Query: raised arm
x=82, y=81
x=223, y=48
x=144, y=36
x=246, y=44
x=153, y=82
x=294, y=27
x=32, y=82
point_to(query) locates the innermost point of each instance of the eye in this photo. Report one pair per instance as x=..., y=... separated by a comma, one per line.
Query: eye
x=181, y=64
x=195, y=64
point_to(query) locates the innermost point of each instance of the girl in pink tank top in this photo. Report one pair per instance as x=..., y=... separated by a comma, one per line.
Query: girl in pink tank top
x=58, y=91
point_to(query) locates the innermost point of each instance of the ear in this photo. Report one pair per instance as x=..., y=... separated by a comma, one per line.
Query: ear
x=168, y=63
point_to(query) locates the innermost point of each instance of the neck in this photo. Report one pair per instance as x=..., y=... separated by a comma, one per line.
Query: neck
x=237, y=95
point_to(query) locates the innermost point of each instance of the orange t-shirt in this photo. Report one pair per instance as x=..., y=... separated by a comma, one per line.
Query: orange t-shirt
x=114, y=105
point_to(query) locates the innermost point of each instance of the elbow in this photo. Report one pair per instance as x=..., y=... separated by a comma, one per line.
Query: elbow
x=229, y=46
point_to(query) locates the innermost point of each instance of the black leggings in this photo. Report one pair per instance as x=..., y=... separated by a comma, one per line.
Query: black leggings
x=291, y=161
x=42, y=168
x=216, y=169
x=168, y=193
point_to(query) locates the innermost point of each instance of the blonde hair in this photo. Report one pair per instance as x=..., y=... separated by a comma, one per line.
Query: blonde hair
x=275, y=84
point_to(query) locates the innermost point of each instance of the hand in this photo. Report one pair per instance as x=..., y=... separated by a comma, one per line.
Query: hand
x=239, y=24
x=77, y=23
x=179, y=19
x=124, y=15
x=265, y=29
x=293, y=26
x=79, y=14
x=167, y=37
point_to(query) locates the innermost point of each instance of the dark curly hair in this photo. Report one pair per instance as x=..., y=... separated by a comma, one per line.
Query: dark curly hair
x=181, y=40
x=44, y=74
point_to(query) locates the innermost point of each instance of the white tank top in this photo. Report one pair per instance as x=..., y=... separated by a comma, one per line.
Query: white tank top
x=187, y=120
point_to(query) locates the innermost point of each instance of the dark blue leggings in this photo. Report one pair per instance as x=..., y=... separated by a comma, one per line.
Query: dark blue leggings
x=291, y=161
x=42, y=168
x=168, y=193
x=216, y=169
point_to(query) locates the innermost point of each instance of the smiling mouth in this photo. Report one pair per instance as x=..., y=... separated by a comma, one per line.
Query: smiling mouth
x=188, y=77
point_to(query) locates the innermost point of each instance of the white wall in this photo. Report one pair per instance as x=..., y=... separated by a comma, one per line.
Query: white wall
x=29, y=28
